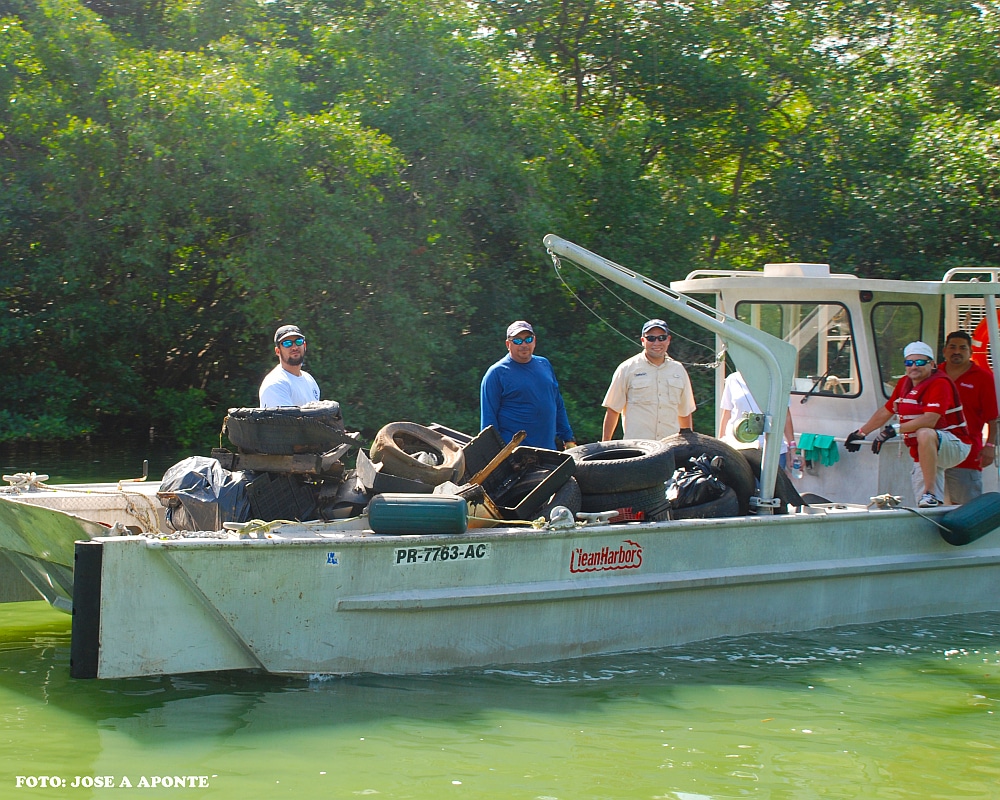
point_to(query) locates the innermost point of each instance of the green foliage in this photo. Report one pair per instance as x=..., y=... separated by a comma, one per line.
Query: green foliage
x=186, y=415
x=178, y=177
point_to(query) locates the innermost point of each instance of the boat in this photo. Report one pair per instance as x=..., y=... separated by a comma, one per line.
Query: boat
x=420, y=589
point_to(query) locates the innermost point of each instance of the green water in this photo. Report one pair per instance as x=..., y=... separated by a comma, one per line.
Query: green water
x=103, y=459
x=906, y=710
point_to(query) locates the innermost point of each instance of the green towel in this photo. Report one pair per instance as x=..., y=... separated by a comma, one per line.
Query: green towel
x=819, y=448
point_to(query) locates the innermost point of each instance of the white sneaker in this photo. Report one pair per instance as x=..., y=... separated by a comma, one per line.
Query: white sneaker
x=929, y=501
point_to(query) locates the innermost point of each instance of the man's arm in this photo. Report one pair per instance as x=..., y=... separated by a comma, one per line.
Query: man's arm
x=926, y=420
x=611, y=418
x=685, y=422
x=489, y=402
x=563, y=429
x=989, y=452
x=724, y=422
x=877, y=420
x=789, y=429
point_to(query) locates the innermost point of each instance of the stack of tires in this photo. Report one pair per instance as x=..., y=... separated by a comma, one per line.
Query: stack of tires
x=626, y=475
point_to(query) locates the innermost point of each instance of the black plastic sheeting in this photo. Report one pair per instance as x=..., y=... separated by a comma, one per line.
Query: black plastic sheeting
x=698, y=483
x=206, y=495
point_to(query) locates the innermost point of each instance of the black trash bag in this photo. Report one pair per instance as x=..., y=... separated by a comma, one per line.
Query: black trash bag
x=200, y=495
x=696, y=483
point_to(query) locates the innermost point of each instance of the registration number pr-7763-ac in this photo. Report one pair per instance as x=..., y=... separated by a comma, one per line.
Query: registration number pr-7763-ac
x=441, y=553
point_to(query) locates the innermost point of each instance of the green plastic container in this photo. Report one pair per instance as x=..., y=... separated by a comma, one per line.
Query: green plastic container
x=402, y=514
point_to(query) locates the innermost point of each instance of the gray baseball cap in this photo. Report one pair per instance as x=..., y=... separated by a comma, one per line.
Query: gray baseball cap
x=285, y=330
x=516, y=327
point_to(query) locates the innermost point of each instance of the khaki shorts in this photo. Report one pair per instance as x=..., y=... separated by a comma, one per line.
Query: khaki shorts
x=963, y=484
x=951, y=452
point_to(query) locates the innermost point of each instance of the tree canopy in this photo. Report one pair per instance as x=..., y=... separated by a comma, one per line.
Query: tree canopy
x=179, y=177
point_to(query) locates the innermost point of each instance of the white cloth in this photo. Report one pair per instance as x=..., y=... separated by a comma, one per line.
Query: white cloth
x=650, y=397
x=737, y=400
x=281, y=388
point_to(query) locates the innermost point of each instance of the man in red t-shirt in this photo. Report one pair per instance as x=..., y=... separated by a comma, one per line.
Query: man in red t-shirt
x=930, y=420
x=979, y=405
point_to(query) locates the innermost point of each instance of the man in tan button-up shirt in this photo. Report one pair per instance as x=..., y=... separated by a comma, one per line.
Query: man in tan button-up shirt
x=651, y=390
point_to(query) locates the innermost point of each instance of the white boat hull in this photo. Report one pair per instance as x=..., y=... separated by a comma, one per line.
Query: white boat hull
x=357, y=602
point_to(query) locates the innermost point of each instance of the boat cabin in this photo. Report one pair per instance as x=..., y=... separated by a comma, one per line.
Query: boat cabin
x=848, y=333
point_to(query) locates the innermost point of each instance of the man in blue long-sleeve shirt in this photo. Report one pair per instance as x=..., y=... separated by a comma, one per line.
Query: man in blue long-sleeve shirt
x=520, y=393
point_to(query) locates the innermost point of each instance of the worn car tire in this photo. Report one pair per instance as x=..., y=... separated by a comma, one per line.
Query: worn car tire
x=622, y=465
x=811, y=499
x=784, y=489
x=736, y=473
x=567, y=495
x=726, y=505
x=638, y=500
x=395, y=445
x=311, y=428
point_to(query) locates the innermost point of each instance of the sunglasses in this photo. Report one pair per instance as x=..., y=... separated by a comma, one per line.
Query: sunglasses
x=661, y=338
x=916, y=362
x=523, y=339
x=297, y=342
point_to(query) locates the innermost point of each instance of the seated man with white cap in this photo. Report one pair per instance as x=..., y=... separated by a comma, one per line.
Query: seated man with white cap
x=930, y=420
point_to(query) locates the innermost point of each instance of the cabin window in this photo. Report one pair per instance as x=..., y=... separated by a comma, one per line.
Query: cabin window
x=823, y=338
x=894, y=325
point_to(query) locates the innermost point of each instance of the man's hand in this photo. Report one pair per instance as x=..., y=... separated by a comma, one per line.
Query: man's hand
x=853, y=442
x=882, y=437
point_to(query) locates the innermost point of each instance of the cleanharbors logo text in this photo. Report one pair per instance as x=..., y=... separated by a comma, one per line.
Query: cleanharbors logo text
x=628, y=555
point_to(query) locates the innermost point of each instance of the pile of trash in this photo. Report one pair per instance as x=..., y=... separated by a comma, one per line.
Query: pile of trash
x=289, y=465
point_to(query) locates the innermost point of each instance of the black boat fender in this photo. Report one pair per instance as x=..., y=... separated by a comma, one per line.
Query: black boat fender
x=971, y=521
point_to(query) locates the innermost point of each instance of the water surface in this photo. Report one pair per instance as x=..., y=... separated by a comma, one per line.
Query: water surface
x=900, y=710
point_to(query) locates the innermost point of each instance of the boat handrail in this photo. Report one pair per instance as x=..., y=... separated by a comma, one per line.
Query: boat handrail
x=766, y=362
x=724, y=273
x=951, y=275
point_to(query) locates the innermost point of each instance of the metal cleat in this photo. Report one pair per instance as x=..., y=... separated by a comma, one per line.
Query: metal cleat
x=885, y=501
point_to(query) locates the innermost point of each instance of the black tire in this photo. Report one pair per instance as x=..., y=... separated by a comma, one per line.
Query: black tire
x=567, y=495
x=622, y=465
x=726, y=505
x=736, y=473
x=813, y=499
x=396, y=443
x=784, y=489
x=313, y=428
x=639, y=500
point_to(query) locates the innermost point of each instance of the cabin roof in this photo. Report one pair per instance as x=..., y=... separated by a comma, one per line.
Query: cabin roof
x=814, y=278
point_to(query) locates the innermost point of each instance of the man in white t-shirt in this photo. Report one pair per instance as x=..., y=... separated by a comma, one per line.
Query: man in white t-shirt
x=737, y=401
x=288, y=384
x=650, y=390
